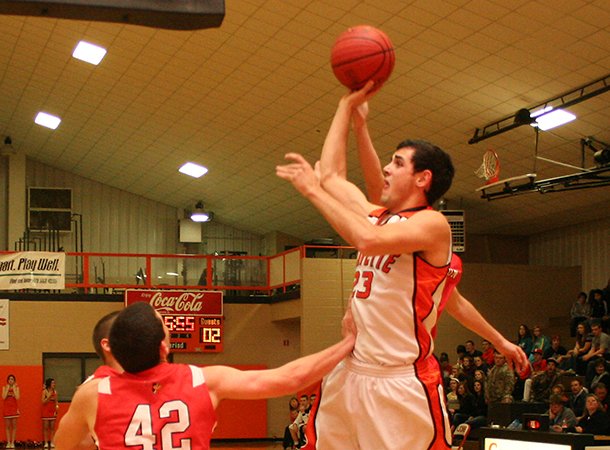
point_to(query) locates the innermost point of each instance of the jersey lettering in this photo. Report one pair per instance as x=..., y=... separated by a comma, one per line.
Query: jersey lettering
x=362, y=289
x=140, y=430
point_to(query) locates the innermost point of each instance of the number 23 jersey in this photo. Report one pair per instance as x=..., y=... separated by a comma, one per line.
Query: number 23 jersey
x=165, y=407
x=397, y=300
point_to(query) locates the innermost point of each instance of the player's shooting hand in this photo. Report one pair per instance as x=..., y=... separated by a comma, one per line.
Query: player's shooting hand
x=515, y=357
x=355, y=98
x=299, y=172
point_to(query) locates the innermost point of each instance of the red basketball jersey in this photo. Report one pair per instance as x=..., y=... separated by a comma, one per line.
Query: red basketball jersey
x=167, y=406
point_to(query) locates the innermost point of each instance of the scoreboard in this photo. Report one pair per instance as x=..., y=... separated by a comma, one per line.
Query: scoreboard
x=193, y=318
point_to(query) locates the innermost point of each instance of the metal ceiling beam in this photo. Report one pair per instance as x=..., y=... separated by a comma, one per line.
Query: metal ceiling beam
x=592, y=178
x=523, y=116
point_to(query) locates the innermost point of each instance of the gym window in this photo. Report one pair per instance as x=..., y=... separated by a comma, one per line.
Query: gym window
x=69, y=371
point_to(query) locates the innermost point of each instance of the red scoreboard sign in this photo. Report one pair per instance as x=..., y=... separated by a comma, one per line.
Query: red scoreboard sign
x=194, y=318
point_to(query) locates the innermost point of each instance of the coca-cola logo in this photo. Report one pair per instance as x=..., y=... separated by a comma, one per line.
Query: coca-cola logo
x=183, y=303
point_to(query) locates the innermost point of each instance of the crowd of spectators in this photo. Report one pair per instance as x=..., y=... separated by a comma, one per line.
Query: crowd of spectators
x=480, y=378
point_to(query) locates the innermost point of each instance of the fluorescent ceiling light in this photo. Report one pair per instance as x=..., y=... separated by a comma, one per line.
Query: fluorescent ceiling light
x=171, y=274
x=192, y=169
x=90, y=53
x=47, y=120
x=553, y=119
x=540, y=112
x=200, y=216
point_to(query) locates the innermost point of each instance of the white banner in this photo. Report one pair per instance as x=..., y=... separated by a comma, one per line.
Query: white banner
x=4, y=324
x=33, y=270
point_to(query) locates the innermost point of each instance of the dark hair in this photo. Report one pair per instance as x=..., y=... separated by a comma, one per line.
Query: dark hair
x=47, y=382
x=136, y=336
x=460, y=349
x=11, y=375
x=556, y=399
x=527, y=331
x=427, y=156
x=101, y=331
x=582, y=295
x=596, y=323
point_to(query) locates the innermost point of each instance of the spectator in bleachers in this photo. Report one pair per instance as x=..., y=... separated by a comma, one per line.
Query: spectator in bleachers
x=538, y=363
x=601, y=374
x=480, y=364
x=579, y=312
x=479, y=418
x=560, y=417
x=488, y=352
x=543, y=382
x=467, y=405
x=577, y=398
x=524, y=339
x=594, y=419
x=559, y=389
x=460, y=350
x=602, y=394
x=500, y=382
x=293, y=411
x=471, y=349
x=445, y=368
x=599, y=308
x=556, y=350
x=582, y=346
x=480, y=375
x=453, y=402
x=539, y=341
x=467, y=369
x=599, y=349
x=606, y=293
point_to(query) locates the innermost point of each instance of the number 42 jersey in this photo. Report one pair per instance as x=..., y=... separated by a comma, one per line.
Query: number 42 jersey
x=165, y=407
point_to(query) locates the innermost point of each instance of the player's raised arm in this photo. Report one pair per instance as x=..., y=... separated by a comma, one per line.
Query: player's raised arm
x=367, y=155
x=333, y=160
x=465, y=313
x=225, y=382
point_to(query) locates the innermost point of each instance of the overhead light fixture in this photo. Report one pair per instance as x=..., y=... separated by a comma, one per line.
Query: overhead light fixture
x=193, y=170
x=91, y=53
x=47, y=120
x=564, y=100
x=554, y=118
x=199, y=214
x=7, y=149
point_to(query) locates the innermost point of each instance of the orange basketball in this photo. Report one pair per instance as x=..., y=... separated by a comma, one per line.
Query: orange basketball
x=360, y=54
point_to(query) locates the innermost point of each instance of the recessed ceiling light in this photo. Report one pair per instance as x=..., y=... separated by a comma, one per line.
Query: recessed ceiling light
x=192, y=169
x=88, y=52
x=47, y=120
x=546, y=121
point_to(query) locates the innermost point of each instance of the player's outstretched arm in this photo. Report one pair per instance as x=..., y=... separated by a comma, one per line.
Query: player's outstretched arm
x=225, y=382
x=73, y=432
x=465, y=313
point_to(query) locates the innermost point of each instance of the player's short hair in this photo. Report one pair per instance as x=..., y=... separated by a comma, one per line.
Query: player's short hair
x=101, y=330
x=136, y=336
x=428, y=156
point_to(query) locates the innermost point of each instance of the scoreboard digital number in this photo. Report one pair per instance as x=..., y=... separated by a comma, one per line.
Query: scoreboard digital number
x=193, y=334
x=193, y=318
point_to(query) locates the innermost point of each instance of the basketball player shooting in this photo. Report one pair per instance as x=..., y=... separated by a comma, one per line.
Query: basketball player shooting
x=404, y=279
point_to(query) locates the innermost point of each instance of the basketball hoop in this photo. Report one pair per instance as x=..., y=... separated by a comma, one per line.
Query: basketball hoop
x=490, y=169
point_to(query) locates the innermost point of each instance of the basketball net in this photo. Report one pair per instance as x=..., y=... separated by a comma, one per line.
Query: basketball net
x=490, y=168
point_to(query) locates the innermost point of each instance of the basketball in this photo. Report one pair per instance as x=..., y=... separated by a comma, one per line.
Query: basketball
x=360, y=54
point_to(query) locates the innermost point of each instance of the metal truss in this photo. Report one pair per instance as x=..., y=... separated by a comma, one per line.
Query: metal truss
x=589, y=178
x=524, y=116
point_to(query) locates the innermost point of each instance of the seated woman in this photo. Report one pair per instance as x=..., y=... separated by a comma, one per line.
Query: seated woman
x=453, y=403
x=479, y=415
x=582, y=346
x=524, y=339
x=467, y=404
x=594, y=421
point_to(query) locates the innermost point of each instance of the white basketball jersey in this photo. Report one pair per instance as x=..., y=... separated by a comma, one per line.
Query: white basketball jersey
x=396, y=302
